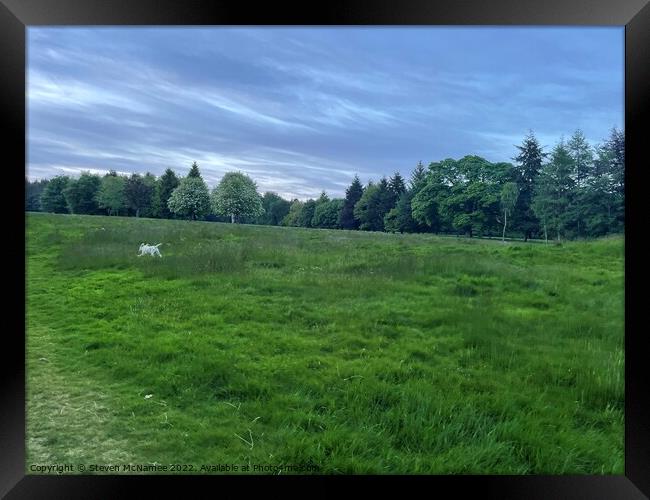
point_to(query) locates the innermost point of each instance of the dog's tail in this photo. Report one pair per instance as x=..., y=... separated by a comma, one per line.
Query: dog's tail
x=157, y=245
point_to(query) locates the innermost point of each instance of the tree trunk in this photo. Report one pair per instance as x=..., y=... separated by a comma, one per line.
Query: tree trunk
x=232, y=218
x=137, y=212
x=545, y=233
x=505, y=221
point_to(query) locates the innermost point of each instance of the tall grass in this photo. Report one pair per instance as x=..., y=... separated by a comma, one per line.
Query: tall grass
x=356, y=352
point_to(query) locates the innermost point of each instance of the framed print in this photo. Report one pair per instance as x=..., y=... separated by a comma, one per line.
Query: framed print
x=333, y=244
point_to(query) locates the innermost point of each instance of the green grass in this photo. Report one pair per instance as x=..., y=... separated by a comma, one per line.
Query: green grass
x=356, y=352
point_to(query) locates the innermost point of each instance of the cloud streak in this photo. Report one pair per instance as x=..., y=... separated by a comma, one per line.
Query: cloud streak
x=304, y=109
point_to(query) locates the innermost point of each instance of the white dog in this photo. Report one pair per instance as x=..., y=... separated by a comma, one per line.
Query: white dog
x=149, y=250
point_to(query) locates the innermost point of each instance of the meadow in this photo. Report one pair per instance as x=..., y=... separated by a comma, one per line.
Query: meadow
x=352, y=352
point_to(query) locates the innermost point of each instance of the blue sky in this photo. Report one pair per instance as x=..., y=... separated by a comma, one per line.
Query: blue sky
x=302, y=110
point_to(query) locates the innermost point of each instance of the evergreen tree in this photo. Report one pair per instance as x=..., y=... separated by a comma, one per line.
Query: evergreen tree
x=138, y=194
x=603, y=200
x=616, y=147
x=164, y=188
x=582, y=156
x=527, y=168
x=323, y=198
x=53, y=197
x=396, y=187
x=150, y=209
x=400, y=218
x=418, y=178
x=194, y=171
x=353, y=194
x=33, y=192
x=373, y=206
x=386, y=200
x=554, y=192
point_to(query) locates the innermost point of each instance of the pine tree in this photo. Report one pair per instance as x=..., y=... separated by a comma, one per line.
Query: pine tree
x=386, y=199
x=194, y=171
x=396, y=186
x=554, y=193
x=139, y=194
x=323, y=198
x=353, y=194
x=164, y=188
x=418, y=178
x=529, y=163
x=366, y=211
x=604, y=198
x=616, y=146
x=582, y=155
x=400, y=218
x=373, y=206
x=33, y=192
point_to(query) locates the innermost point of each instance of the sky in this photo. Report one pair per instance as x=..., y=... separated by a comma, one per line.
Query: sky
x=302, y=110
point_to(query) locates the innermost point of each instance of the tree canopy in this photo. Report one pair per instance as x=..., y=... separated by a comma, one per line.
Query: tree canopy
x=575, y=191
x=236, y=196
x=190, y=199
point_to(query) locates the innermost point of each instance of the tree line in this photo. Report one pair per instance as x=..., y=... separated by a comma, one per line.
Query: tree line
x=574, y=191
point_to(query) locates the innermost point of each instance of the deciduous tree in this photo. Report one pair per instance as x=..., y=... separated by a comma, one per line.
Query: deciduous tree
x=237, y=196
x=190, y=199
x=111, y=194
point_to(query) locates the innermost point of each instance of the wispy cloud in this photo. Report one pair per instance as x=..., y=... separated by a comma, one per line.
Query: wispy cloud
x=65, y=94
x=304, y=109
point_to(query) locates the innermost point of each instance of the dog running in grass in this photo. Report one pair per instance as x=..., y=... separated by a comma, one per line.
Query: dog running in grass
x=149, y=250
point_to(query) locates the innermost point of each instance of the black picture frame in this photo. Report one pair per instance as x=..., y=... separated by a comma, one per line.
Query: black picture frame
x=16, y=15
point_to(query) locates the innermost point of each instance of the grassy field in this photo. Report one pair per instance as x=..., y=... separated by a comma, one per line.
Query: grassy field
x=353, y=352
